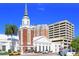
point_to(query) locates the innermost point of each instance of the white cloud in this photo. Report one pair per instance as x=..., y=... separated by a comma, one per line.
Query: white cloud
x=41, y=8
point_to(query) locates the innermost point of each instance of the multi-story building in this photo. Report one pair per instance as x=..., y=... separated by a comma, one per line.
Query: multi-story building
x=41, y=30
x=61, y=29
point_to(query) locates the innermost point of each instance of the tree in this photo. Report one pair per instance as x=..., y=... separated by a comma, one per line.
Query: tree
x=75, y=44
x=11, y=29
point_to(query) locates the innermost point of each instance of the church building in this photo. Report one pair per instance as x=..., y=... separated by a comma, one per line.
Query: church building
x=25, y=33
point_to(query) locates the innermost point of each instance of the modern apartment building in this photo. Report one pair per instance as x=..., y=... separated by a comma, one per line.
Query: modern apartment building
x=61, y=29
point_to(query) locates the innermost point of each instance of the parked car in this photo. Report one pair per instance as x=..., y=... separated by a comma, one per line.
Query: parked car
x=67, y=52
x=14, y=53
x=61, y=53
x=71, y=53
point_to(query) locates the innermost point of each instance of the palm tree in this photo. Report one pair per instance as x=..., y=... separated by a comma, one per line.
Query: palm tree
x=11, y=29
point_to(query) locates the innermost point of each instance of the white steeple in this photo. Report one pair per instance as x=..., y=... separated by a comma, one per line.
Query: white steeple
x=26, y=14
x=25, y=20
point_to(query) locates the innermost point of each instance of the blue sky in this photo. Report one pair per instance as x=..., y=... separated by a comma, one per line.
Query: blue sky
x=39, y=14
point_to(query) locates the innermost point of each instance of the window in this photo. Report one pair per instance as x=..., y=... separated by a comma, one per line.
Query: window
x=59, y=45
x=65, y=43
x=65, y=40
x=3, y=48
x=43, y=48
x=27, y=22
x=39, y=48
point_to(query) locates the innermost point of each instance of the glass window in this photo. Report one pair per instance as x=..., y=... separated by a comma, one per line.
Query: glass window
x=3, y=48
x=65, y=43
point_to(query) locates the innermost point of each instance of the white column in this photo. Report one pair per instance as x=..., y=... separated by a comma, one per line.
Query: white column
x=48, y=47
x=41, y=48
x=16, y=47
x=37, y=48
x=21, y=50
x=45, y=48
x=21, y=41
x=51, y=47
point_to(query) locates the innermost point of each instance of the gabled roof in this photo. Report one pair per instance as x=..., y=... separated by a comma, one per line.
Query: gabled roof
x=41, y=39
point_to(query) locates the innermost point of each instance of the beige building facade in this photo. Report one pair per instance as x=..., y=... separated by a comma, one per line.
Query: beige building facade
x=63, y=29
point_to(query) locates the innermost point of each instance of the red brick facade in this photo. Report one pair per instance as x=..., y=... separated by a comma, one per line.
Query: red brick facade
x=42, y=32
x=32, y=35
x=24, y=39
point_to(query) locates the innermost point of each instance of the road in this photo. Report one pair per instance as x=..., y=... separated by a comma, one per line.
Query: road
x=40, y=54
x=36, y=54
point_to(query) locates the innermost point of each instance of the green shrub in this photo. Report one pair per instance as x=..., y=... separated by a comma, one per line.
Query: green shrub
x=9, y=51
x=77, y=54
x=3, y=53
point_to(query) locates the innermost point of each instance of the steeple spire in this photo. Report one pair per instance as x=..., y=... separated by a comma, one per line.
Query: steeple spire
x=25, y=20
x=25, y=10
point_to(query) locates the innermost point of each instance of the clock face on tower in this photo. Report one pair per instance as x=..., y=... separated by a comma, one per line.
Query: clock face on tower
x=25, y=21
